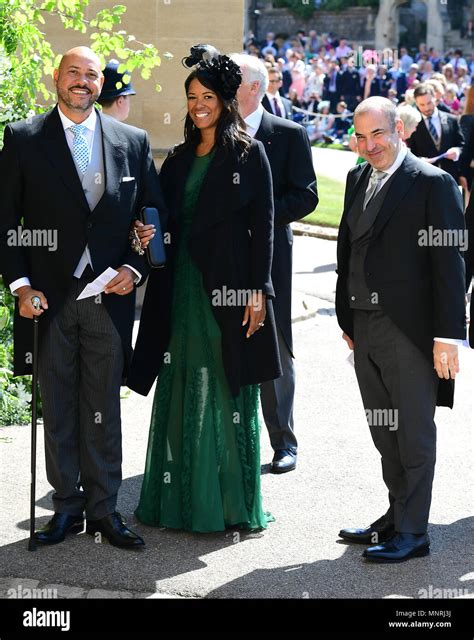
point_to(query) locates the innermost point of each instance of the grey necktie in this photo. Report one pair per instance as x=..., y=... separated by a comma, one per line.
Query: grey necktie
x=374, y=184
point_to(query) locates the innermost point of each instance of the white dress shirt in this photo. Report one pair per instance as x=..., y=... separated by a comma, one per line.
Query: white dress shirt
x=254, y=120
x=90, y=124
x=271, y=100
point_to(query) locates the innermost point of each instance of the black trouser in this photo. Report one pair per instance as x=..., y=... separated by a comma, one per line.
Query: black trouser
x=399, y=386
x=80, y=370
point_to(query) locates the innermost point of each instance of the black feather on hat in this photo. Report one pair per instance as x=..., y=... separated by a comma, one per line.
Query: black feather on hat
x=221, y=70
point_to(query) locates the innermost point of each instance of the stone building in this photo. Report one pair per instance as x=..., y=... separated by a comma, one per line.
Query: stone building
x=441, y=24
x=171, y=25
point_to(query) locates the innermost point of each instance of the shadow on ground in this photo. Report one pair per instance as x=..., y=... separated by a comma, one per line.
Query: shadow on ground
x=169, y=554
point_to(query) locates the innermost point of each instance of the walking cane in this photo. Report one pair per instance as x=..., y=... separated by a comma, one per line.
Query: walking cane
x=36, y=302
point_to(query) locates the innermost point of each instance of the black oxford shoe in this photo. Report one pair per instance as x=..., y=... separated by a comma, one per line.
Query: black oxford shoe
x=56, y=529
x=379, y=531
x=113, y=528
x=284, y=460
x=401, y=547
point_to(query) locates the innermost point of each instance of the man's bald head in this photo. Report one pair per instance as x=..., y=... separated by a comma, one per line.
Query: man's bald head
x=78, y=81
x=378, y=131
x=82, y=53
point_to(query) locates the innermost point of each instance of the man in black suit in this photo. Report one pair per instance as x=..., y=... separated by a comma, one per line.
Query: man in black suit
x=381, y=83
x=350, y=85
x=80, y=178
x=438, y=133
x=295, y=196
x=400, y=303
x=469, y=257
x=272, y=101
x=332, y=86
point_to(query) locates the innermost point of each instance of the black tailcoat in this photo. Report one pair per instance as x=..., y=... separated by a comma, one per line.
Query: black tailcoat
x=421, y=288
x=41, y=189
x=294, y=188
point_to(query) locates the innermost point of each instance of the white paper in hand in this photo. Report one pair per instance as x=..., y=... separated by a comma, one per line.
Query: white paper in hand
x=98, y=285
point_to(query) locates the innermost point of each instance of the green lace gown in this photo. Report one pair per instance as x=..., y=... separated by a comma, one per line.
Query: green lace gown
x=202, y=469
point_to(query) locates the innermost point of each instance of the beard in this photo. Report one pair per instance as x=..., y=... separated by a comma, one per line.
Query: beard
x=79, y=106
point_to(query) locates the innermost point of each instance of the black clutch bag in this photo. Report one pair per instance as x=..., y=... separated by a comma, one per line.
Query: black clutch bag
x=155, y=251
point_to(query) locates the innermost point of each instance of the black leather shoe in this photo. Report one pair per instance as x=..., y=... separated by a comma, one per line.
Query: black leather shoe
x=284, y=460
x=379, y=531
x=56, y=529
x=113, y=528
x=401, y=547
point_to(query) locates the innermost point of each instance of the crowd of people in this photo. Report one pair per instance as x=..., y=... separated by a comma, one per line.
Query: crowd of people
x=327, y=77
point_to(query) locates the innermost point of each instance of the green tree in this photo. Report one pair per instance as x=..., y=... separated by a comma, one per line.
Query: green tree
x=27, y=59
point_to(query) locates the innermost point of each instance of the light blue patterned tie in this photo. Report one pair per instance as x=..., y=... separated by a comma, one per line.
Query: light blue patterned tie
x=81, y=148
x=432, y=128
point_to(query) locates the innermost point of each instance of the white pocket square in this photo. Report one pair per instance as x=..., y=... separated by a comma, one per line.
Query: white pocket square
x=128, y=179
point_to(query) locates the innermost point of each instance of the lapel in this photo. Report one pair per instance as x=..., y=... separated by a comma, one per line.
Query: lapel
x=56, y=149
x=443, y=116
x=401, y=183
x=114, y=151
x=358, y=180
x=266, y=133
x=173, y=184
x=218, y=194
x=359, y=175
x=266, y=104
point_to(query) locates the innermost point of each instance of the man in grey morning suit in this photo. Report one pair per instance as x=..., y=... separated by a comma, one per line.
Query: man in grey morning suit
x=400, y=303
x=83, y=176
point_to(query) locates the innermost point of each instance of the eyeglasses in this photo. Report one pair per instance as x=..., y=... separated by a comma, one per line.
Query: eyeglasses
x=275, y=81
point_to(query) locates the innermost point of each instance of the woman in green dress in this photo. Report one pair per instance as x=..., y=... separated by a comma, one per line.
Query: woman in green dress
x=207, y=328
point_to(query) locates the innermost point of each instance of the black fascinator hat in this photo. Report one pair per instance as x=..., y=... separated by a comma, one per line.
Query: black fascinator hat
x=220, y=70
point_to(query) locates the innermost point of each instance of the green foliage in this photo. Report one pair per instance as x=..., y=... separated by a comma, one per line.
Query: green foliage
x=15, y=393
x=27, y=58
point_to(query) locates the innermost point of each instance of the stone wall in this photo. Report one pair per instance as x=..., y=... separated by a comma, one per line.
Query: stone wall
x=356, y=24
x=171, y=25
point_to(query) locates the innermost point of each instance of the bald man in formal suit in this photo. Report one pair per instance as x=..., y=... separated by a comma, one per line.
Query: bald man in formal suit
x=400, y=304
x=82, y=176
